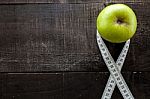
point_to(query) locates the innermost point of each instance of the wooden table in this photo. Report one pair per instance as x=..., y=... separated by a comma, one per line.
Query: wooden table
x=48, y=50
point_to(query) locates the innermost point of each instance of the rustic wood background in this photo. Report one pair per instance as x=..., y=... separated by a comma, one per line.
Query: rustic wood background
x=48, y=50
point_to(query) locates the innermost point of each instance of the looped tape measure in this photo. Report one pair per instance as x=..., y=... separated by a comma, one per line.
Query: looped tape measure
x=116, y=77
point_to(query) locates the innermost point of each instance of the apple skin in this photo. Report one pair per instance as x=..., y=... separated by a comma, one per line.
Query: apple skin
x=117, y=23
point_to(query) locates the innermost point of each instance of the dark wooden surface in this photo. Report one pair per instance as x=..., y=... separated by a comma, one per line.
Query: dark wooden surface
x=48, y=50
x=71, y=85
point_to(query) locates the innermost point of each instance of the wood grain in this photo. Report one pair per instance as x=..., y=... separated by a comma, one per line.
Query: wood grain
x=48, y=1
x=31, y=86
x=67, y=1
x=61, y=37
x=68, y=85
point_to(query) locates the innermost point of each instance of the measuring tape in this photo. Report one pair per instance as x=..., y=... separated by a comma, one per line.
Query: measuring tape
x=114, y=69
x=110, y=86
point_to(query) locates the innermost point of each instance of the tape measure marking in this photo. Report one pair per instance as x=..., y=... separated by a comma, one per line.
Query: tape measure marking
x=110, y=86
x=116, y=76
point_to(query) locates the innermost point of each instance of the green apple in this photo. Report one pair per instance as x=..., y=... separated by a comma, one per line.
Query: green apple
x=117, y=23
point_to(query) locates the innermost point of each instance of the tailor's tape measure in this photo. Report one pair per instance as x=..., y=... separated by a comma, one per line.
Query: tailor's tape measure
x=116, y=77
x=110, y=86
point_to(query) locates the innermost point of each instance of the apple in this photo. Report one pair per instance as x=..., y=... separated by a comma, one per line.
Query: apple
x=116, y=23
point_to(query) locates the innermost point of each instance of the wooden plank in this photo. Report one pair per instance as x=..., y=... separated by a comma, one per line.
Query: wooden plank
x=68, y=85
x=91, y=85
x=61, y=37
x=48, y=1
x=67, y=1
x=31, y=86
x=50, y=37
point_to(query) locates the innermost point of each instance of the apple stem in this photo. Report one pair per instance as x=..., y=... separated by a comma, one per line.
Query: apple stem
x=119, y=21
